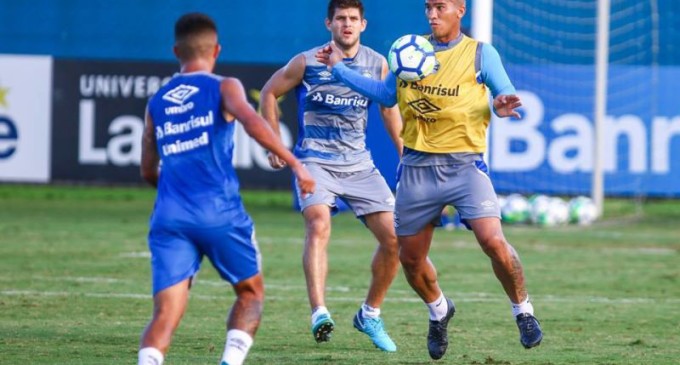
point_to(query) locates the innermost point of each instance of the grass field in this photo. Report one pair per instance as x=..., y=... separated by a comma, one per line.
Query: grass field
x=75, y=287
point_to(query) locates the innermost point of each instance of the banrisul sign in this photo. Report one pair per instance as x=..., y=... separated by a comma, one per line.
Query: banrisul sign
x=551, y=148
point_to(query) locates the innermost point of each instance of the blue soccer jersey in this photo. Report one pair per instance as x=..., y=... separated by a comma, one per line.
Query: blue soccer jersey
x=197, y=183
x=198, y=208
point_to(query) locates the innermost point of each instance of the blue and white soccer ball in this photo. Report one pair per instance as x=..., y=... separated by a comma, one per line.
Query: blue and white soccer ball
x=539, y=211
x=411, y=58
x=515, y=209
x=558, y=212
x=548, y=211
x=582, y=211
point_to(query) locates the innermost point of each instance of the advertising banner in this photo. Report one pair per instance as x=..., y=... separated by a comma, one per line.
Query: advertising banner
x=98, y=110
x=98, y=119
x=550, y=149
x=25, y=99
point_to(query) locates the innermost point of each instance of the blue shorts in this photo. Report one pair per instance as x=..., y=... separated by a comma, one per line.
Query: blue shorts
x=177, y=252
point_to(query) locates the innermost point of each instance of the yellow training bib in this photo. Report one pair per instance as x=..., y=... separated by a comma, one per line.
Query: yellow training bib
x=446, y=112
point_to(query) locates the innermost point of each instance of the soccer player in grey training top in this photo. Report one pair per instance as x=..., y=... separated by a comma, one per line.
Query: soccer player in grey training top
x=333, y=147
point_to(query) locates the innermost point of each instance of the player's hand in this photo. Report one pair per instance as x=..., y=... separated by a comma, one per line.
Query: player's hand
x=505, y=106
x=329, y=55
x=305, y=182
x=275, y=161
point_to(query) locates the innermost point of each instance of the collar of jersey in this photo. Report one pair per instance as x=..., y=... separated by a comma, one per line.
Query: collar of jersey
x=444, y=46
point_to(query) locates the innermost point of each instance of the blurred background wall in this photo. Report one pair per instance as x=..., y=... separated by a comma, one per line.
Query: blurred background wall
x=75, y=75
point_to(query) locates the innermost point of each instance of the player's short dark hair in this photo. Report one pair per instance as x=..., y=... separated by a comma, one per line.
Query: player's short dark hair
x=344, y=4
x=192, y=24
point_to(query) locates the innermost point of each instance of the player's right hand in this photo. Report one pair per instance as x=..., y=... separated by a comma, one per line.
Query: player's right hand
x=275, y=161
x=305, y=182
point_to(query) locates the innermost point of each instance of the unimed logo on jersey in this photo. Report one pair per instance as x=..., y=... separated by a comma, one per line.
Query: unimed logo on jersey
x=25, y=102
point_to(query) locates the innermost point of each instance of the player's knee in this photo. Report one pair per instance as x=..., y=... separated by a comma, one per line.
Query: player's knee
x=318, y=227
x=251, y=289
x=390, y=245
x=410, y=260
x=494, y=245
x=254, y=297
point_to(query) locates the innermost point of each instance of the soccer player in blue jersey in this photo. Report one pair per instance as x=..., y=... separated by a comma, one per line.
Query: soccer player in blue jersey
x=442, y=162
x=332, y=144
x=198, y=210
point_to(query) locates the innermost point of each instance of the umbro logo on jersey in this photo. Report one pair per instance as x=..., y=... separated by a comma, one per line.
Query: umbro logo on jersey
x=180, y=94
x=488, y=204
x=367, y=73
x=325, y=75
x=423, y=106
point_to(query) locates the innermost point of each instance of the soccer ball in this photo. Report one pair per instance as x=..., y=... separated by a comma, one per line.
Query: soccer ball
x=582, y=211
x=411, y=58
x=548, y=211
x=558, y=212
x=540, y=210
x=515, y=209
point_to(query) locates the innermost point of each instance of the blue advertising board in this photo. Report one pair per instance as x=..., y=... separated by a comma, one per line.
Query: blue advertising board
x=550, y=149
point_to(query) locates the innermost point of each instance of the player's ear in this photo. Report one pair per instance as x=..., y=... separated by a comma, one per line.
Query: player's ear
x=216, y=52
x=328, y=24
x=364, y=22
x=175, y=50
x=461, y=10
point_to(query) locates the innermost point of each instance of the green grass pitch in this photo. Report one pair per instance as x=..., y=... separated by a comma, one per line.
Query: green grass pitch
x=75, y=287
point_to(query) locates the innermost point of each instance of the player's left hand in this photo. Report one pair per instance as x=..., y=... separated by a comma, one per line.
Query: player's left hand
x=329, y=55
x=505, y=106
x=275, y=161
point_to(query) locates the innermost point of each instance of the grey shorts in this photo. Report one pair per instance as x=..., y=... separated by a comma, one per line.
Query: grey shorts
x=423, y=191
x=364, y=191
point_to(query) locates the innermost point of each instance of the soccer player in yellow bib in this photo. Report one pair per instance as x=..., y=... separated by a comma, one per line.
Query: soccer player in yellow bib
x=445, y=119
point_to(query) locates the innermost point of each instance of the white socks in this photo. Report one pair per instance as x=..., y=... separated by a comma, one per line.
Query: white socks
x=237, y=346
x=149, y=356
x=317, y=312
x=523, y=307
x=369, y=312
x=438, y=308
x=235, y=350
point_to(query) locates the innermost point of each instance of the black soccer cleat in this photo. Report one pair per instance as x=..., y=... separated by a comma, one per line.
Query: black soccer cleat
x=530, y=334
x=437, y=337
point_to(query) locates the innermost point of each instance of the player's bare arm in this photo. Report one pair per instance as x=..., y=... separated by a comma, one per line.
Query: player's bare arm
x=150, y=158
x=392, y=118
x=281, y=82
x=234, y=102
x=505, y=105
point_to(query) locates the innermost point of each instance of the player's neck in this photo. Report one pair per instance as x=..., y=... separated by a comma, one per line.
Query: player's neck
x=197, y=65
x=351, y=52
x=449, y=37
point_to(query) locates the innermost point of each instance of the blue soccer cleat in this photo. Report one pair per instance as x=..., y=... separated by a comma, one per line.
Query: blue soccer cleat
x=322, y=328
x=375, y=329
